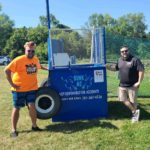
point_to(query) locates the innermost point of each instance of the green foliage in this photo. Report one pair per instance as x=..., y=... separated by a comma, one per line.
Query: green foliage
x=43, y=21
x=6, y=29
x=41, y=52
x=38, y=34
x=143, y=49
x=74, y=43
x=127, y=30
x=138, y=46
x=15, y=43
x=54, y=22
x=99, y=20
x=132, y=25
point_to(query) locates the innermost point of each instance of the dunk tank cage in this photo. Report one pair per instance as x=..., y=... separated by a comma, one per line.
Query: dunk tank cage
x=75, y=92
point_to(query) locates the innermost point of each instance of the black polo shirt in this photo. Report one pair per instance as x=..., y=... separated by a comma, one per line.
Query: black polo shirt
x=129, y=70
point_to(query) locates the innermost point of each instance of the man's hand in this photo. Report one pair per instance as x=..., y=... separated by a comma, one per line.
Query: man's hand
x=136, y=85
x=15, y=86
x=111, y=67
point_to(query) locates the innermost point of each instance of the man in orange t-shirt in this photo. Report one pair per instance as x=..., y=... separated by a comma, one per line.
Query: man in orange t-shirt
x=21, y=73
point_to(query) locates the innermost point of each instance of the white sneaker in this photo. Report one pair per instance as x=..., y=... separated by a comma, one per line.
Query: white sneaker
x=135, y=116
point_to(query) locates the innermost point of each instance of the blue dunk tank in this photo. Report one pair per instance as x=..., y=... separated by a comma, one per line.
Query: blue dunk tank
x=82, y=90
x=72, y=91
x=76, y=92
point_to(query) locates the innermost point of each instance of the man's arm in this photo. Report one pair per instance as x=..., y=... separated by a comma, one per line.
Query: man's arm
x=9, y=78
x=141, y=76
x=44, y=68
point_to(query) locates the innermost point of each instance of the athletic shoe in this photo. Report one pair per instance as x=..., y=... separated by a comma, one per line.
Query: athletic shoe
x=135, y=116
x=36, y=129
x=14, y=134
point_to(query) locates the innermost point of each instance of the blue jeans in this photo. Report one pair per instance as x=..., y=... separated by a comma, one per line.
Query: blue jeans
x=20, y=99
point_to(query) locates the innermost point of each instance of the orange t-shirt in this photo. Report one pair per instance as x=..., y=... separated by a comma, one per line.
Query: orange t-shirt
x=24, y=73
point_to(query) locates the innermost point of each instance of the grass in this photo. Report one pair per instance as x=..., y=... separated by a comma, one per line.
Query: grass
x=113, y=133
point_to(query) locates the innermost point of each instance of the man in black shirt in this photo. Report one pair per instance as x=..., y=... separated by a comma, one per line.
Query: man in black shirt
x=131, y=73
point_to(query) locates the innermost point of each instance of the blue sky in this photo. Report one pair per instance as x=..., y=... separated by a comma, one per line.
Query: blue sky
x=73, y=13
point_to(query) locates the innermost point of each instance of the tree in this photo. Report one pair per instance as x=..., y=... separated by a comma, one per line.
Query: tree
x=41, y=52
x=21, y=35
x=38, y=34
x=73, y=42
x=100, y=20
x=132, y=25
x=16, y=41
x=54, y=22
x=6, y=29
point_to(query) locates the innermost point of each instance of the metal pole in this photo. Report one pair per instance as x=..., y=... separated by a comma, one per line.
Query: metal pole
x=49, y=36
x=104, y=44
x=48, y=14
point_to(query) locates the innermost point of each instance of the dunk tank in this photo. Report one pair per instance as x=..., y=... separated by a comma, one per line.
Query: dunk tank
x=74, y=91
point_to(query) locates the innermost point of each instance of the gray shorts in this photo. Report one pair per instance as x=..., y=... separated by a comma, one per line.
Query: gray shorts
x=128, y=93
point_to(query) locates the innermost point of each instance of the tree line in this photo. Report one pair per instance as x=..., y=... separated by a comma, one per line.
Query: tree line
x=129, y=29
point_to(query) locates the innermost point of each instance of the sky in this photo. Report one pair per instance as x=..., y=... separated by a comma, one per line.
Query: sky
x=73, y=13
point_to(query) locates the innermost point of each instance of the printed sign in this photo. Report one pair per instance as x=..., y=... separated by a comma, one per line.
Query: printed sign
x=98, y=76
x=81, y=95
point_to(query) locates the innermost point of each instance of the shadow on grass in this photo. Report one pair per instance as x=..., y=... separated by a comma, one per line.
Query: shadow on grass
x=117, y=110
x=75, y=126
x=71, y=127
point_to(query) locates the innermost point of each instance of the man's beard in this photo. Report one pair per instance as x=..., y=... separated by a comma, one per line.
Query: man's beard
x=30, y=56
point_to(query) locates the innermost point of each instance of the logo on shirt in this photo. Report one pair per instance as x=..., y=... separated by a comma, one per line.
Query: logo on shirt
x=129, y=64
x=31, y=68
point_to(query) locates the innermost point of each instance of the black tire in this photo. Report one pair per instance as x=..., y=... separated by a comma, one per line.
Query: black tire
x=44, y=83
x=47, y=103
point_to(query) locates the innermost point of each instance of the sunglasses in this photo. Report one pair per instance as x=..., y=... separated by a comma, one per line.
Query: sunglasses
x=125, y=51
x=29, y=51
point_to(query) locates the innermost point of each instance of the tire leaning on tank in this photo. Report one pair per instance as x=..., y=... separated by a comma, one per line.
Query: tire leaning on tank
x=47, y=103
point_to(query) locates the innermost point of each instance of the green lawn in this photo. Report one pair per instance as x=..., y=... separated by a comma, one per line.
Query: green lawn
x=113, y=133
